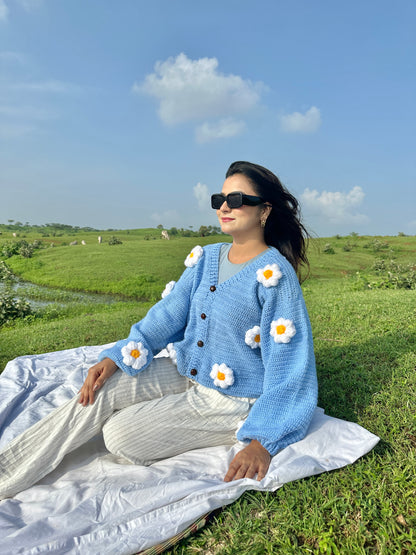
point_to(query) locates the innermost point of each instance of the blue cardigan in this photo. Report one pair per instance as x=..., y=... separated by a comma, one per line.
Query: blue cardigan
x=249, y=336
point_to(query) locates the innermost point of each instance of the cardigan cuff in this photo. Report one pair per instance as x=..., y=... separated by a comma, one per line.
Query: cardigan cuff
x=130, y=356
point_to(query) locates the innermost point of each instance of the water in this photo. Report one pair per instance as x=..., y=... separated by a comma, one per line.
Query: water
x=40, y=296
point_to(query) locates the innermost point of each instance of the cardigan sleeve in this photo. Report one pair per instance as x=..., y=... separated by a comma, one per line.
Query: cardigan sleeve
x=282, y=413
x=164, y=323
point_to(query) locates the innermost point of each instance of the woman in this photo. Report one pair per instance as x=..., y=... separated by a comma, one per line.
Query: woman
x=241, y=356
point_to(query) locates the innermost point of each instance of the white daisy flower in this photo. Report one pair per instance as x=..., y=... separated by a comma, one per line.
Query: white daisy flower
x=253, y=337
x=134, y=355
x=194, y=256
x=222, y=375
x=172, y=353
x=282, y=330
x=269, y=275
x=168, y=289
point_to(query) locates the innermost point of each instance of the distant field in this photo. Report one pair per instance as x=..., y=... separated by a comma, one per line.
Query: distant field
x=364, y=328
x=139, y=268
x=354, y=254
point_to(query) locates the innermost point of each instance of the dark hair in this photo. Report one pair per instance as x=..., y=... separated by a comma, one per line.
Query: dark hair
x=283, y=229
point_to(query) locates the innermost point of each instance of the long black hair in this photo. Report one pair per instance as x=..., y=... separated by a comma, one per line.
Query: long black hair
x=284, y=229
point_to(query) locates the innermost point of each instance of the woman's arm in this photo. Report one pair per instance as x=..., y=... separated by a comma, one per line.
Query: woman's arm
x=164, y=323
x=282, y=413
x=111, y=359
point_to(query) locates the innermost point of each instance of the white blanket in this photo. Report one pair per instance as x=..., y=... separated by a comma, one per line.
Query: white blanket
x=95, y=502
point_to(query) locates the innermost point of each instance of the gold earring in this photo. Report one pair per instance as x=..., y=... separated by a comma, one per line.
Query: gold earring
x=263, y=223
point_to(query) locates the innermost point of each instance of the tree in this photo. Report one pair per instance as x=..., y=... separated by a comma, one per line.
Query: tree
x=203, y=231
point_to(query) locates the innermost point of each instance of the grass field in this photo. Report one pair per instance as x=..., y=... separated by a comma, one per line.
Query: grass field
x=364, y=327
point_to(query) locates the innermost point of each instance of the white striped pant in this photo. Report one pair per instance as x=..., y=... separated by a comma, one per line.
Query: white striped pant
x=145, y=418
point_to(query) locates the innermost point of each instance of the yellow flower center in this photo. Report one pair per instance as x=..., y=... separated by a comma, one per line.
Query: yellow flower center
x=257, y=339
x=135, y=353
x=268, y=274
x=280, y=330
x=220, y=376
x=191, y=255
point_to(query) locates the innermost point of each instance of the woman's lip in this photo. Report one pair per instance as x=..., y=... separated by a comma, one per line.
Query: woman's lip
x=227, y=219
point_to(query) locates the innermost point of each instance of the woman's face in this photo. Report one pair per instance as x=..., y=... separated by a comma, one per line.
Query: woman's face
x=241, y=223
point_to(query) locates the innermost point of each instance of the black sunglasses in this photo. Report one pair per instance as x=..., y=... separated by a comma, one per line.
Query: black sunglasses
x=234, y=200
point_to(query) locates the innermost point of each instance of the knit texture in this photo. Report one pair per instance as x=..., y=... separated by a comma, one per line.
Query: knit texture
x=249, y=336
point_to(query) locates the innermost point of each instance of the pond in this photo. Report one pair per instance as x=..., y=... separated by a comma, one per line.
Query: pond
x=40, y=296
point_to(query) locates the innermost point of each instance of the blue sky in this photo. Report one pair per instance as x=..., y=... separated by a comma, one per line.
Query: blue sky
x=127, y=114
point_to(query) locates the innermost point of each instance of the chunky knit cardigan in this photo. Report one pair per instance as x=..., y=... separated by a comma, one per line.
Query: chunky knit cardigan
x=249, y=336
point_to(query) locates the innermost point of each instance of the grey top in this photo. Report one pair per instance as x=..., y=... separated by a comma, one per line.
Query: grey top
x=227, y=269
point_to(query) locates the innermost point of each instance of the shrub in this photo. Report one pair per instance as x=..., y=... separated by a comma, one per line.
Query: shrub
x=376, y=245
x=26, y=251
x=6, y=274
x=388, y=275
x=114, y=241
x=395, y=275
x=12, y=308
x=21, y=247
x=328, y=249
x=8, y=249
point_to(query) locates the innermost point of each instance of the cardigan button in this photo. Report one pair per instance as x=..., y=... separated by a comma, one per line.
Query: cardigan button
x=200, y=343
x=203, y=316
x=194, y=372
x=212, y=288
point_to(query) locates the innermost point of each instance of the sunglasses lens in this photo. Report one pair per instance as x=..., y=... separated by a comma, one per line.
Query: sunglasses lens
x=235, y=200
x=217, y=201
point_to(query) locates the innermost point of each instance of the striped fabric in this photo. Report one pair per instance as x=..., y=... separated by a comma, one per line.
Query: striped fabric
x=152, y=416
x=194, y=527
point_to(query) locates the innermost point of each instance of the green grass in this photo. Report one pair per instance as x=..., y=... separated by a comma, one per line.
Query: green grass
x=137, y=269
x=365, y=343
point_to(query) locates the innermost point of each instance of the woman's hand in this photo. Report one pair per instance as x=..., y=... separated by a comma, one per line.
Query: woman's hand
x=253, y=459
x=97, y=375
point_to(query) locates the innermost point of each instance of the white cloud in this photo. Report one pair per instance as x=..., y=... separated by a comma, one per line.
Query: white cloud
x=195, y=90
x=51, y=86
x=26, y=105
x=309, y=122
x=202, y=195
x=222, y=129
x=4, y=11
x=336, y=207
x=30, y=5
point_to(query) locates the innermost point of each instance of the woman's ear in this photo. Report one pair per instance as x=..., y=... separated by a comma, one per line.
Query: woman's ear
x=266, y=211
